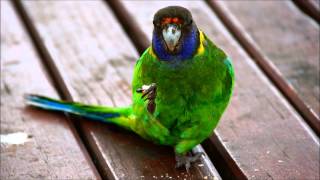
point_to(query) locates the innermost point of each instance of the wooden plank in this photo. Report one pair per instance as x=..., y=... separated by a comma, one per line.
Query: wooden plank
x=287, y=50
x=260, y=136
x=53, y=149
x=96, y=59
x=310, y=7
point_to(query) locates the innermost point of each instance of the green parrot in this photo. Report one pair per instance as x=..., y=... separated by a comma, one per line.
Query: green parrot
x=181, y=86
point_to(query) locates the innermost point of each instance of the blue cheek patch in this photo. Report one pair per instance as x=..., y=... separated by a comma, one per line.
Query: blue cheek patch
x=189, y=45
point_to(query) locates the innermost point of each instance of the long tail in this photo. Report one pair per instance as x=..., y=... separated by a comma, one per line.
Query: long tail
x=121, y=116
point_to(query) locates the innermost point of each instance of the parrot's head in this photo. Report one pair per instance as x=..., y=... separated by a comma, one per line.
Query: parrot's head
x=175, y=34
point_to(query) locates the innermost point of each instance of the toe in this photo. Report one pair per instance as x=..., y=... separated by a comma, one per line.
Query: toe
x=187, y=166
x=196, y=156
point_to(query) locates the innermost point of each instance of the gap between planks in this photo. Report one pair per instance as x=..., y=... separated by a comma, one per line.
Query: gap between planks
x=43, y=148
x=139, y=39
x=129, y=33
x=310, y=8
x=266, y=65
x=258, y=126
x=53, y=72
x=142, y=43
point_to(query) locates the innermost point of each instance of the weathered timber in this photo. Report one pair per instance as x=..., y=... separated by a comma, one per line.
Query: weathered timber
x=286, y=50
x=52, y=148
x=260, y=135
x=95, y=59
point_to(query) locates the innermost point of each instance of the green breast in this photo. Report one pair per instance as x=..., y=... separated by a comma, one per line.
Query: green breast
x=184, y=86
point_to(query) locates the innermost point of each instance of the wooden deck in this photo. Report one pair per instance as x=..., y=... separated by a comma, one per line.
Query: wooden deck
x=85, y=51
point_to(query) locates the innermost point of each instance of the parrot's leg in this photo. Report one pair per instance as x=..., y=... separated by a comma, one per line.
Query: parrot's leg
x=150, y=92
x=187, y=159
x=183, y=158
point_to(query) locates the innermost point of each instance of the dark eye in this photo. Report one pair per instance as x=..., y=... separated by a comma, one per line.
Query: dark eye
x=156, y=23
x=188, y=23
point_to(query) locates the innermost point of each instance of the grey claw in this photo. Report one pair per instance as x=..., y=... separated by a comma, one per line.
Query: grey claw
x=188, y=165
x=196, y=156
x=149, y=93
x=186, y=160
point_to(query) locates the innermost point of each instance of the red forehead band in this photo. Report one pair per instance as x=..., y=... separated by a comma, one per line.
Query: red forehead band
x=168, y=20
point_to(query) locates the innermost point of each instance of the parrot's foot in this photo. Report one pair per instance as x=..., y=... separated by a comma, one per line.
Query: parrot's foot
x=149, y=92
x=186, y=160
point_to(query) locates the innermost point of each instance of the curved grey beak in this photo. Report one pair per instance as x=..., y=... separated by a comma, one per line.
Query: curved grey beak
x=171, y=34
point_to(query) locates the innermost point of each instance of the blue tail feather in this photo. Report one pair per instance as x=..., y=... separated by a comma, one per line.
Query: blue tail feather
x=46, y=103
x=73, y=108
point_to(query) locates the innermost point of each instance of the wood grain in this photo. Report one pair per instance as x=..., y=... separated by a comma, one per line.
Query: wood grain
x=287, y=50
x=96, y=59
x=53, y=149
x=260, y=135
